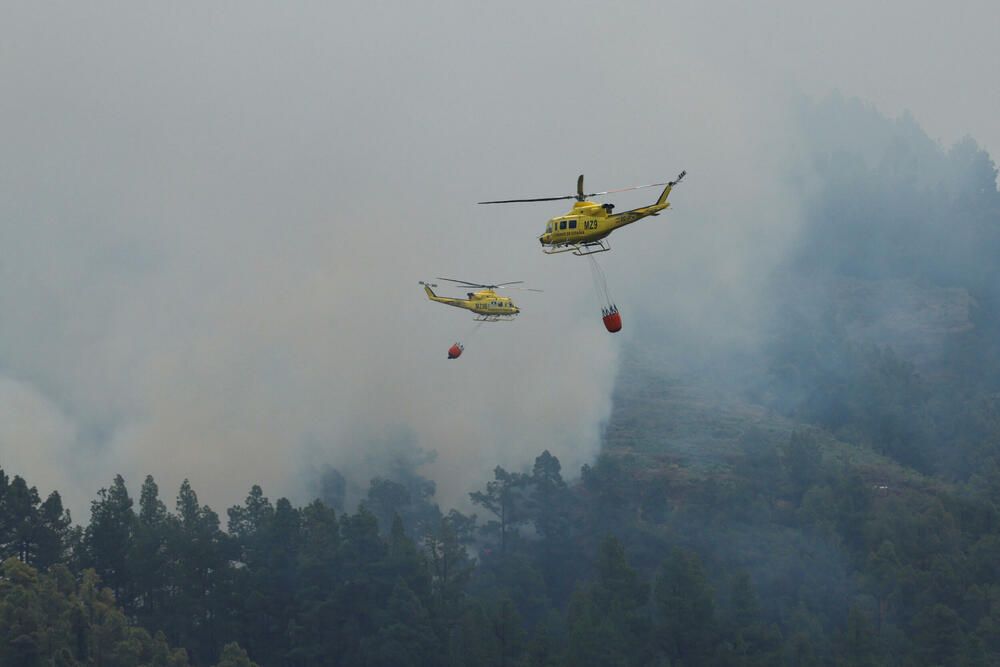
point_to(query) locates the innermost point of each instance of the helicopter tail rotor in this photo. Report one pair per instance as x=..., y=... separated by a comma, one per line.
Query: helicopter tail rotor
x=427, y=288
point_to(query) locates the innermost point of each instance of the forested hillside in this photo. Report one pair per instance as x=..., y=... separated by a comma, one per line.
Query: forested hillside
x=830, y=498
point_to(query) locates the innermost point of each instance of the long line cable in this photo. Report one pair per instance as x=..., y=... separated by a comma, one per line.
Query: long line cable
x=474, y=330
x=600, y=281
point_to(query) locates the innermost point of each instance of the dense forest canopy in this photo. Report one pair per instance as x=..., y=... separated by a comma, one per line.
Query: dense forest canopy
x=832, y=500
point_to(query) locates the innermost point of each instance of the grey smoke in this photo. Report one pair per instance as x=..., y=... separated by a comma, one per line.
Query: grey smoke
x=213, y=221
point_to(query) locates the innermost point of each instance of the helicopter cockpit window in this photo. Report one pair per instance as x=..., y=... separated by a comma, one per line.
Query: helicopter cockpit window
x=548, y=228
x=562, y=224
x=572, y=224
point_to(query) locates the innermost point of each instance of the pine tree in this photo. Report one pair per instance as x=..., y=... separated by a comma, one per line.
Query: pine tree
x=685, y=603
x=148, y=565
x=200, y=552
x=450, y=567
x=406, y=636
x=314, y=628
x=110, y=538
x=233, y=655
x=857, y=644
x=503, y=499
x=606, y=624
x=547, y=507
x=37, y=533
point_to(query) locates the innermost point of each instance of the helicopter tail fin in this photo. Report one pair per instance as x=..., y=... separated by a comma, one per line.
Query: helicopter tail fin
x=663, y=196
x=430, y=292
x=670, y=186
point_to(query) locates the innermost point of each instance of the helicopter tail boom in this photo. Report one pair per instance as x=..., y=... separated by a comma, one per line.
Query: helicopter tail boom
x=458, y=303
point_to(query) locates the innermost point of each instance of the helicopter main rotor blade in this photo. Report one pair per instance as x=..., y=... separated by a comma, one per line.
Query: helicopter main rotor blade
x=463, y=282
x=506, y=285
x=580, y=194
x=634, y=187
x=515, y=201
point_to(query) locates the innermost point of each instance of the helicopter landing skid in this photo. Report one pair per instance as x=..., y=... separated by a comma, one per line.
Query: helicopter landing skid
x=494, y=318
x=558, y=249
x=591, y=248
x=580, y=249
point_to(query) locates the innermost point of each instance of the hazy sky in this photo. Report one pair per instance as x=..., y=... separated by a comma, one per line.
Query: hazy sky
x=213, y=216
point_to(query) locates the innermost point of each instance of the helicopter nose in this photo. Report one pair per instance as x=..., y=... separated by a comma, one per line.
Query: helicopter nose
x=541, y=239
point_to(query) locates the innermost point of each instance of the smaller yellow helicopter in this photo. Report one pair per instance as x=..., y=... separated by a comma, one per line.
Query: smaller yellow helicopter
x=485, y=303
x=585, y=227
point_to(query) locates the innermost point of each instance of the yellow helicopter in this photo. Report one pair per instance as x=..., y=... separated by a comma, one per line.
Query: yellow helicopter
x=585, y=227
x=485, y=303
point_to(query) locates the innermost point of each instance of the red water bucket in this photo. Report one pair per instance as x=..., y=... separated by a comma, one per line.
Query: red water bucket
x=613, y=321
x=455, y=351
